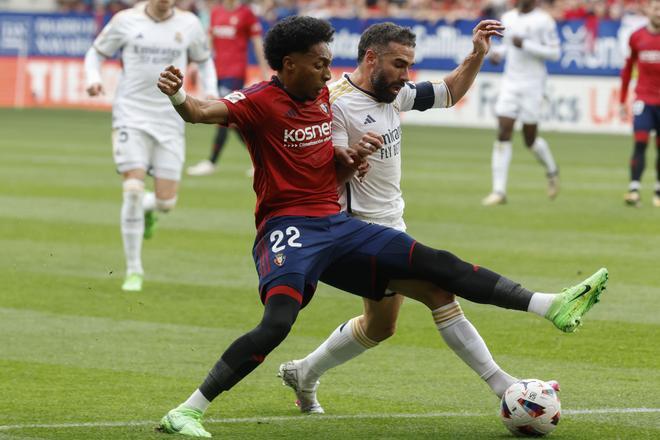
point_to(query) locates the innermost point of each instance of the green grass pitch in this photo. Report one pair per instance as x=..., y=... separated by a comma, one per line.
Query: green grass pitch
x=79, y=359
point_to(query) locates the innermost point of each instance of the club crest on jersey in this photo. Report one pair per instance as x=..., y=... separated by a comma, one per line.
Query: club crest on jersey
x=178, y=37
x=324, y=108
x=234, y=97
x=279, y=259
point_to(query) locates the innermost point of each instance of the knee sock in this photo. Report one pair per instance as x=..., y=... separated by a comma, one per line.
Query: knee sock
x=218, y=144
x=248, y=351
x=132, y=224
x=461, y=336
x=502, y=152
x=346, y=342
x=541, y=150
x=149, y=201
x=468, y=281
x=637, y=163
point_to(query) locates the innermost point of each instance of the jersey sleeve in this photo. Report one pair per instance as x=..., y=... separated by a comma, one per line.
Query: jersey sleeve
x=112, y=37
x=424, y=95
x=549, y=47
x=339, y=124
x=626, y=71
x=243, y=111
x=254, y=25
x=198, y=50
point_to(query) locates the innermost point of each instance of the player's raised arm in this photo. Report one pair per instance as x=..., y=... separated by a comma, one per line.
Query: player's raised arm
x=459, y=81
x=191, y=109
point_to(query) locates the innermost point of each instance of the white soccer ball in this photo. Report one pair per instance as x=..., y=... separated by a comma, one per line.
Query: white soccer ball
x=531, y=407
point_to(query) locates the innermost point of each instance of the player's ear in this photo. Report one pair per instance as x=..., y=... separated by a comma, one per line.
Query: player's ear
x=370, y=57
x=288, y=63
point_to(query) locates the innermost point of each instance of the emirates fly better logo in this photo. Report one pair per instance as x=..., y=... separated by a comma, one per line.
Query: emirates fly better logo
x=307, y=136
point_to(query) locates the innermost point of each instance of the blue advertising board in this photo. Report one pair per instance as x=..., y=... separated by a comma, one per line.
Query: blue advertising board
x=440, y=46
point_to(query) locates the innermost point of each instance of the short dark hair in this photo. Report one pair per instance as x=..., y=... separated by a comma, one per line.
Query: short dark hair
x=294, y=34
x=378, y=36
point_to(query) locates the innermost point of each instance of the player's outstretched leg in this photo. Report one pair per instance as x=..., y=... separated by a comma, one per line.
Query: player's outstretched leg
x=567, y=309
x=183, y=420
x=480, y=285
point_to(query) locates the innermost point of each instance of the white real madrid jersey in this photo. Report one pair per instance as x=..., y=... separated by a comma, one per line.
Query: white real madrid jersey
x=526, y=66
x=355, y=112
x=147, y=47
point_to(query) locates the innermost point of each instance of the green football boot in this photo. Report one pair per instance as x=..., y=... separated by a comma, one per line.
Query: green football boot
x=185, y=421
x=150, y=224
x=567, y=309
x=132, y=282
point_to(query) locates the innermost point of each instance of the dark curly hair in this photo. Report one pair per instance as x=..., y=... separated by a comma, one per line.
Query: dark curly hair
x=294, y=34
x=378, y=36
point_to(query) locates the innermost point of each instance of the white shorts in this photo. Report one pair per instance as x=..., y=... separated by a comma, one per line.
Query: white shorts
x=136, y=149
x=524, y=104
x=394, y=222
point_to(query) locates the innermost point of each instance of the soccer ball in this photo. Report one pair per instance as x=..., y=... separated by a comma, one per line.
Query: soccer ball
x=531, y=407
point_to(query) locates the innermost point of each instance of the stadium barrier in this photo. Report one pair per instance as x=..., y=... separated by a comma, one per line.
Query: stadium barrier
x=41, y=61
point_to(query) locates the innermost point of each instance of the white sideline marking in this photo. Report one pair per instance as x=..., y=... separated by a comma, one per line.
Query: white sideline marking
x=574, y=412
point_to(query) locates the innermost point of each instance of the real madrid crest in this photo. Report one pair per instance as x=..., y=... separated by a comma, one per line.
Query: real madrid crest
x=178, y=37
x=279, y=259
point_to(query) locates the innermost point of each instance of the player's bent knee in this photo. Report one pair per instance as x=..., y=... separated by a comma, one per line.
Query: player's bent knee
x=165, y=205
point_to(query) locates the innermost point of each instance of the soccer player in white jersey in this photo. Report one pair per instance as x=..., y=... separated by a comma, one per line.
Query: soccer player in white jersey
x=530, y=39
x=369, y=100
x=147, y=133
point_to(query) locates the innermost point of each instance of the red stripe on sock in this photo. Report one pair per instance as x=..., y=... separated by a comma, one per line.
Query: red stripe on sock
x=412, y=247
x=284, y=290
x=641, y=136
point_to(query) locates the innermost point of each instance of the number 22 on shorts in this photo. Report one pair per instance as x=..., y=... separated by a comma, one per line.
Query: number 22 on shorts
x=277, y=237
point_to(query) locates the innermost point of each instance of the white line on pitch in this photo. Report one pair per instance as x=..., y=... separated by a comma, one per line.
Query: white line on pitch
x=320, y=418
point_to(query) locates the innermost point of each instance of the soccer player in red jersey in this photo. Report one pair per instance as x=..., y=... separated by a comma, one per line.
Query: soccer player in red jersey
x=645, y=52
x=232, y=27
x=286, y=124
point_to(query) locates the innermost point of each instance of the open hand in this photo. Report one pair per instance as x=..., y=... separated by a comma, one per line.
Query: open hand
x=482, y=33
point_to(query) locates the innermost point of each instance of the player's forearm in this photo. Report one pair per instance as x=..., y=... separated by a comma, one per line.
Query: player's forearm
x=461, y=79
x=208, y=77
x=344, y=173
x=92, y=65
x=197, y=111
x=546, y=52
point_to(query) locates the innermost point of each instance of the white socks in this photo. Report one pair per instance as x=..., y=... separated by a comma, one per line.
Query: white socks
x=197, y=401
x=501, y=159
x=346, y=342
x=132, y=224
x=149, y=201
x=541, y=150
x=541, y=302
x=461, y=336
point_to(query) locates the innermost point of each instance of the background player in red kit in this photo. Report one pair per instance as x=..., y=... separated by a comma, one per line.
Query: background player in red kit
x=645, y=52
x=232, y=27
x=286, y=125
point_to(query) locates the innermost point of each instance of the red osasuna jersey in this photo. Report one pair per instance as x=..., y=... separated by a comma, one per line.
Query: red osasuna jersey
x=645, y=51
x=290, y=144
x=231, y=31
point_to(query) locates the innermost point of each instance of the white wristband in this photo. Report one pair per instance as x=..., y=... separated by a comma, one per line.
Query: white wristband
x=178, y=98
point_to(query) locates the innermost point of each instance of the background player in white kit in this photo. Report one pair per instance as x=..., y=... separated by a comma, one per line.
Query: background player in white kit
x=531, y=39
x=147, y=133
x=369, y=100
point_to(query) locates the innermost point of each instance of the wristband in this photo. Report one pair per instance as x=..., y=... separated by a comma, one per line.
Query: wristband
x=178, y=98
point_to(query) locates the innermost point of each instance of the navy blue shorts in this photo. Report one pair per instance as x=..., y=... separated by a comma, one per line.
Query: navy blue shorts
x=647, y=117
x=307, y=246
